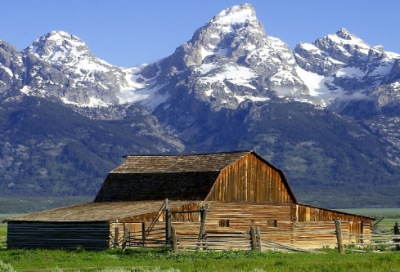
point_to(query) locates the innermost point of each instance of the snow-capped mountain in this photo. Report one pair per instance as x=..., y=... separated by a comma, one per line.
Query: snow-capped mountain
x=228, y=61
x=344, y=66
x=231, y=86
x=60, y=65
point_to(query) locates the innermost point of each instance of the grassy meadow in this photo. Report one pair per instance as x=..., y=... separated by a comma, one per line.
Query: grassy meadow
x=377, y=213
x=155, y=260
x=391, y=215
x=31, y=205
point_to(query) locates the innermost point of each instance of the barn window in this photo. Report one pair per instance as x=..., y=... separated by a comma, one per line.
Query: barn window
x=223, y=223
x=271, y=223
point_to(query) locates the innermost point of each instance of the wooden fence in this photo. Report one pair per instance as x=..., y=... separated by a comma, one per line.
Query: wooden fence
x=190, y=237
x=194, y=236
x=217, y=240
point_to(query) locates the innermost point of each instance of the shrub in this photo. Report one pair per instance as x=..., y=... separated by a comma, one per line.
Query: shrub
x=5, y=267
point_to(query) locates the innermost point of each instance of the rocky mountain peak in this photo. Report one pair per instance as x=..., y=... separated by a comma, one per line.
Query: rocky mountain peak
x=235, y=15
x=58, y=46
x=344, y=34
x=343, y=45
x=61, y=66
x=223, y=35
x=227, y=61
x=11, y=66
x=379, y=48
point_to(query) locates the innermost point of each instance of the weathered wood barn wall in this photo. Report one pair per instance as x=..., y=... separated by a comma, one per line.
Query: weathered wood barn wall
x=242, y=189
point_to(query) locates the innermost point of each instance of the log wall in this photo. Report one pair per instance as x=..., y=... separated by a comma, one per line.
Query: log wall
x=57, y=235
x=274, y=220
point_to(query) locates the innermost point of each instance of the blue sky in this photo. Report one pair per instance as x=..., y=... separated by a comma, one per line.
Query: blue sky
x=127, y=33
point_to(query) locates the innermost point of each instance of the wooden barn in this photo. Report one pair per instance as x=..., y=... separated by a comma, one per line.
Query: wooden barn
x=238, y=189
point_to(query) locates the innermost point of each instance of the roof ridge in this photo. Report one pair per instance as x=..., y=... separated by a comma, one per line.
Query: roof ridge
x=190, y=154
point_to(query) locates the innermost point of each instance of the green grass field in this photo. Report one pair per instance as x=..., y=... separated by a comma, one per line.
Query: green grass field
x=391, y=215
x=132, y=260
x=377, y=213
x=31, y=205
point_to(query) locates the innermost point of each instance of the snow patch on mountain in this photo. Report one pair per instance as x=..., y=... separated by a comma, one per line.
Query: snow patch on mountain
x=8, y=70
x=25, y=90
x=319, y=88
x=219, y=51
x=315, y=83
x=141, y=89
x=350, y=72
x=93, y=102
x=143, y=96
x=237, y=75
x=240, y=99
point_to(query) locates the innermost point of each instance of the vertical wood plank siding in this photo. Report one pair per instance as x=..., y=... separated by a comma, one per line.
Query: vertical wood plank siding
x=307, y=213
x=57, y=235
x=250, y=180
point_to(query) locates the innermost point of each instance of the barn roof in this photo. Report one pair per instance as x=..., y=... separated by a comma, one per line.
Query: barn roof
x=94, y=212
x=156, y=177
x=210, y=162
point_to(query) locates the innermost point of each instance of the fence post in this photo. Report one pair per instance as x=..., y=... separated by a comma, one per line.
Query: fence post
x=253, y=238
x=259, y=239
x=125, y=238
x=339, y=236
x=168, y=226
x=203, y=234
x=143, y=233
x=116, y=230
x=202, y=231
x=396, y=231
x=174, y=242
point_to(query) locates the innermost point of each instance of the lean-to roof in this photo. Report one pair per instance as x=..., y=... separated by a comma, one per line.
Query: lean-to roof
x=94, y=212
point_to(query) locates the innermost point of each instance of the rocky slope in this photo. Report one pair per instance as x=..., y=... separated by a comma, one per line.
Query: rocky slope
x=47, y=149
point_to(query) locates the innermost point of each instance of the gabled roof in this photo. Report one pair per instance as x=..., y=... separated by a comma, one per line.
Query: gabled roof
x=176, y=177
x=156, y=177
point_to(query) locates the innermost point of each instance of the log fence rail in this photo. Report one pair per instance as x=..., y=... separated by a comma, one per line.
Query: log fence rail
x=183, y=239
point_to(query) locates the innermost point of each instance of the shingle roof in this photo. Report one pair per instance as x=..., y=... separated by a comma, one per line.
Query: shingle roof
x=103, y=211
x=212, y=162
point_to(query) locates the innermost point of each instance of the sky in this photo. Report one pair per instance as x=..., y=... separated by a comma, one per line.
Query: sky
x=131, y=32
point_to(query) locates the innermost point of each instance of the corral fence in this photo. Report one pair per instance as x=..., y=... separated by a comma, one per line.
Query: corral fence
x=388, y=239
x=194, y=236
x=217, y=240
x=230, y=239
